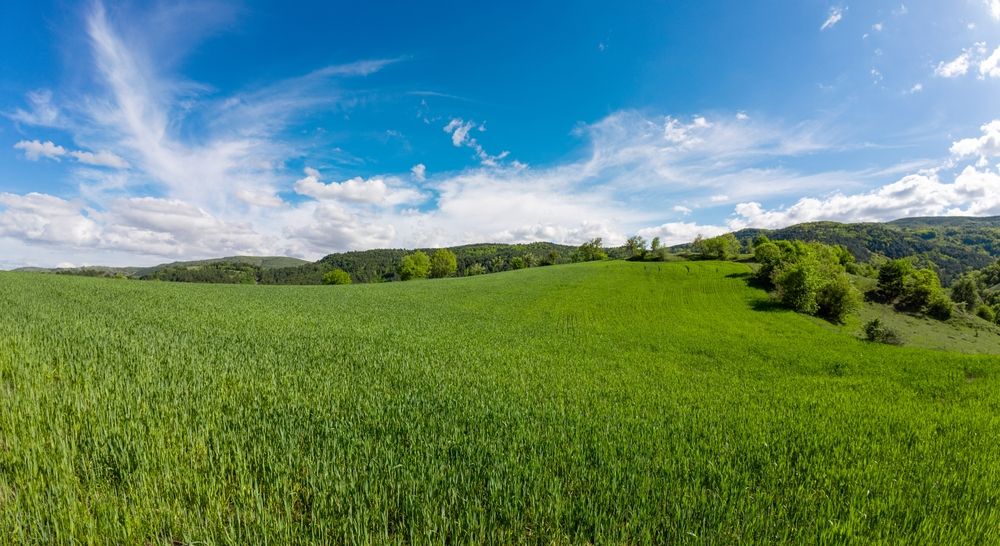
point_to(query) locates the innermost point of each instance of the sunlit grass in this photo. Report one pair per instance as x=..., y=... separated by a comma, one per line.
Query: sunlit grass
x=606, y=402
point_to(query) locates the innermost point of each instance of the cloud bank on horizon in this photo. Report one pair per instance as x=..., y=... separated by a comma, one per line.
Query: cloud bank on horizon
x=178, y=131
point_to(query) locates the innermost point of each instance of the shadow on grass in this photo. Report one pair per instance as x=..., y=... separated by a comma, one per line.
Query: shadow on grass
x=767, y=305
x=752, y=280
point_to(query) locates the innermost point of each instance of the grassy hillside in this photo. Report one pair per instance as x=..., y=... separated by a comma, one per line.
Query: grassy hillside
x=608, y=402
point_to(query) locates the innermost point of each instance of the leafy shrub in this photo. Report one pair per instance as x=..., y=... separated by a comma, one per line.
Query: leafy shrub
x=475, y=269
x=940, y=307
x=876, y=331
x=986, y=313
x=797, y=287
x=337, y=276
x=837, y=299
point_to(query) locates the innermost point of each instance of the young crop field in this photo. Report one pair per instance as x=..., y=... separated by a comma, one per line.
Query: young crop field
x=608, y=402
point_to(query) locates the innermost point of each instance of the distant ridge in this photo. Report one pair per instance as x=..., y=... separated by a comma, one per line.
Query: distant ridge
x=951, y=245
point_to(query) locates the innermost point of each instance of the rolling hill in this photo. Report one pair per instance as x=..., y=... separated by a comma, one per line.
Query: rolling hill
x=605, y=402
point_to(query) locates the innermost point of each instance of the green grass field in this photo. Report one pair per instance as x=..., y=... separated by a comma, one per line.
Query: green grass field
x=609, y=402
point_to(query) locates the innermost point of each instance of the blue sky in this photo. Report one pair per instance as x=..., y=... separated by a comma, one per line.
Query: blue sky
x=138, y=132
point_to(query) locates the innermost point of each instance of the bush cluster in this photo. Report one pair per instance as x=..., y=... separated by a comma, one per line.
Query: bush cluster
x=808, y=277
x=912, y=290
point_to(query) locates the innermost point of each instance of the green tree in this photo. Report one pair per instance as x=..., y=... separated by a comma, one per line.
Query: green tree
x=920, y=288
x=475, y=269
x=590, y=251
x=443, y=263
x=415, y=266
x=655, y=245
x=518, y=262
x=636, y=247
x=891, y=280
x=336, y=276
x=723, y=247
x=966, y=291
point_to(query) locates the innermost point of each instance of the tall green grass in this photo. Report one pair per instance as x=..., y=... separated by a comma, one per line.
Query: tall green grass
x=602, y=403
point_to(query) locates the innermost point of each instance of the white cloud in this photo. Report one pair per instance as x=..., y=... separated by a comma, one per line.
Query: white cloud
x=972, y=193
x=100, y=159
x=419, y=172
x=35, y=150
x=954, y=68
x=259, y=197
x=975, y=191
x=994, y=6
x=917, y=88
x=459, y=130
x=985, y=147
x=990, y=66
x=46, y=219
x=385, y=191
x=836, y=14
x=877, y=27
x=719, y=198
x=977, y=54
x=682, y=209
x=674, y=233
x=41, y=111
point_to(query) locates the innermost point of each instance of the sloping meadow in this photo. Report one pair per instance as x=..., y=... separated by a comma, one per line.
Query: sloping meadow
x=608, y=402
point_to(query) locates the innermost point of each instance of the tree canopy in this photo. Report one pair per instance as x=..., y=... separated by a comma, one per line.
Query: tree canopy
x=337, y=276
x=415, y=266
x=443, y=263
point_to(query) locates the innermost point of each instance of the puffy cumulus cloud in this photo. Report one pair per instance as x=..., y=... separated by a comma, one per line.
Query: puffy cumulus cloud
x=46, y=219
x=979, y=56
x=994, y=6
x=959, y=66
x=383, y=191
x=419, y=172
x=318, y=228
x=143, y=225
x=973, y=192
x=35, y=150
x=675, y=233
x=835, y=16
x=985, y=147
x=990, y=66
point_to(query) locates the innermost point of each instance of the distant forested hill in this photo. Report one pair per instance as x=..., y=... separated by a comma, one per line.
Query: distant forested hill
x=951, y=245
x=380, y=265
